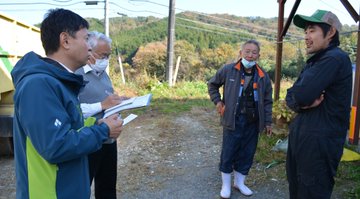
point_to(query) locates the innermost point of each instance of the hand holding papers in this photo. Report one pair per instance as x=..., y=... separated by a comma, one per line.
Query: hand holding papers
x=135, y=102
x=123, y=103
x=111, y=100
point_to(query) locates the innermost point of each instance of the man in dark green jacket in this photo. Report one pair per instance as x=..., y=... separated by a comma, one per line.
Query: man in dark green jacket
x=321, y=97
x=245, y=109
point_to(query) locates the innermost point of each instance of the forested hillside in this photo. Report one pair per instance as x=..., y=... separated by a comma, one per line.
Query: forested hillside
x=205, y=43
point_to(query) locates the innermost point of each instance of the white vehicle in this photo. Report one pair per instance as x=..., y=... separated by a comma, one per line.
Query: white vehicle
x=16, y=39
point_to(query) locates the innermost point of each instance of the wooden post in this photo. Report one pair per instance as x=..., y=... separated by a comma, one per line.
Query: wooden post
x=121, y=69
x=279, y=48
x=176, y=69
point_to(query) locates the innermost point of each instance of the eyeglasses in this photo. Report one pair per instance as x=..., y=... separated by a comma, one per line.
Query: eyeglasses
x=101, y=56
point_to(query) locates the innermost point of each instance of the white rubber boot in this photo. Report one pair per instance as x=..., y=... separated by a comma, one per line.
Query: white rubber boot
x=239, y=183
x=226, y=185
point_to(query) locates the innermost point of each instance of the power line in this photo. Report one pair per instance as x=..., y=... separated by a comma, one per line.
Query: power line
x=43, y=9
x=301, y=39
x=236, y=30
x=181, y=18
x=147, y=1
x=335, y=8
x=148, y=11
x=62, y=1
x=152, y=3
x=237, y=35
x=203, y=14
x=212, y=31
x=231, y=30
x=40, y=3
x=200, y=22
x=211, y=16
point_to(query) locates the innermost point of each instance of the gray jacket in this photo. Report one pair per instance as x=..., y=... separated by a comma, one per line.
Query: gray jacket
x=229, y=76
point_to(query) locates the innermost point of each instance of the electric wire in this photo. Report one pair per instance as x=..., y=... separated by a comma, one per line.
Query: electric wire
x=62, y=1
x=214, y=17
x=42, y=3
x=289, y=38
x=148, y=11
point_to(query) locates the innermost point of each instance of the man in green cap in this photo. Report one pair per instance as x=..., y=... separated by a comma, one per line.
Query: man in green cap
x=321, y=98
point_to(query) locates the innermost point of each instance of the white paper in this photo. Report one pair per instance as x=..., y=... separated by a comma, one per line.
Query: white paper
x=123, y=103
x=129, y=118
x=136, y=102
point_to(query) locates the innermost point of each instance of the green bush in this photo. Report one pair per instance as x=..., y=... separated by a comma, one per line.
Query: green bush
x=281, y=113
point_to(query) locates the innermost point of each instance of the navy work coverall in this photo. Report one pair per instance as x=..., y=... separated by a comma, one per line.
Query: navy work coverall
x=317, y=134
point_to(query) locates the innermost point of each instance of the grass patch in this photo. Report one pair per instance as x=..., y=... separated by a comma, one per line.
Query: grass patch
x=264, y=153
x=171, y=106
x=348, y=175
x=171, y=100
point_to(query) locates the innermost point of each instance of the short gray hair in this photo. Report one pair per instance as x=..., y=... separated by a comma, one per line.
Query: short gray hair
x=251, y=41
x=95, y=36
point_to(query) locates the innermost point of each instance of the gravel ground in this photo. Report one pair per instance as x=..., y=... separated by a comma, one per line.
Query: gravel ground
x=7, y=178
x=173, y=157
x=177, y=157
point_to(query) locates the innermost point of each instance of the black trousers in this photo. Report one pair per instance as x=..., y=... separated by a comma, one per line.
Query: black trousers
x=312, y=161
x=103, y=169
x=239, y=146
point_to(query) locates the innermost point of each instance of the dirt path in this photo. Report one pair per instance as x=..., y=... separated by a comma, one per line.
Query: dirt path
x=177, y=157
x=173, y=157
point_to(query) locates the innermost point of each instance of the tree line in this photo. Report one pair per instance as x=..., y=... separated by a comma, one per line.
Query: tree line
x=205, y=43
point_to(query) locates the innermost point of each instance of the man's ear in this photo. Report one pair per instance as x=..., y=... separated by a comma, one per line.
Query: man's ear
x=64, y=40
x=331, y=33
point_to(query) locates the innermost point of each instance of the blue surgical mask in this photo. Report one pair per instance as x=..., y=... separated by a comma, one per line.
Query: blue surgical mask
x=247, y=64
x=100, y=65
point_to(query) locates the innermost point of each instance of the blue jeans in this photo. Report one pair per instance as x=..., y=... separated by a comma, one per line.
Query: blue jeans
x=239, y=146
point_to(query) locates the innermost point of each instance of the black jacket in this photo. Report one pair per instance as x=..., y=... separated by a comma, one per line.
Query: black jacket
x=328, y=72
x=229, y=77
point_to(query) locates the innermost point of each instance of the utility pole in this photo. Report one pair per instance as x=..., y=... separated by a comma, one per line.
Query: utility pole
x=170, y=44
x=106, y=25
x=106, y=17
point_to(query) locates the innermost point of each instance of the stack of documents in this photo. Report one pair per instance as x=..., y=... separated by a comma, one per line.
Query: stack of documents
x=135, y=102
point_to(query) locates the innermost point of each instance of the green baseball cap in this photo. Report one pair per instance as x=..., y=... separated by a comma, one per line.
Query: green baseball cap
x=320, y=16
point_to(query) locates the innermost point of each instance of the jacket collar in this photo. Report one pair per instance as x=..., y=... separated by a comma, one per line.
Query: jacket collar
x=319, y=54
x=259, y=70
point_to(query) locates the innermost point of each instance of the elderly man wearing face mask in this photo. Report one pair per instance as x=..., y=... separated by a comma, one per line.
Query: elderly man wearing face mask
x=97, y=96
x=245, y=108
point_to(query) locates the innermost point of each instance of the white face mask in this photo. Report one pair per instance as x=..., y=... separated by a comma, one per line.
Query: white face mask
x=100, y=65
x=247, y=64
